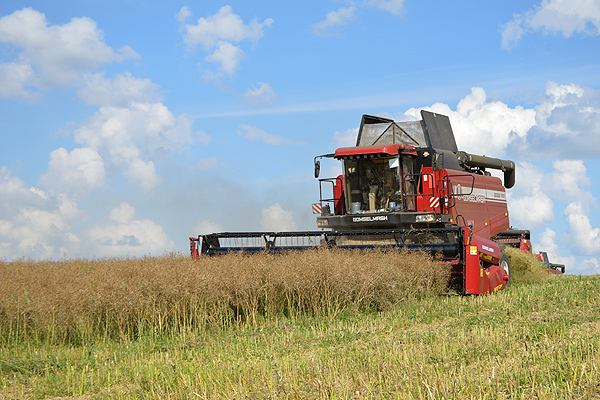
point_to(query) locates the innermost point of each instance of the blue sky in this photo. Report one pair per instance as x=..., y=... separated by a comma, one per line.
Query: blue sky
x=127, y=126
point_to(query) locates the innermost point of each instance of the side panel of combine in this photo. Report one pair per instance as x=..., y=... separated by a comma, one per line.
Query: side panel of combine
x=481, y=201
x=482, y=274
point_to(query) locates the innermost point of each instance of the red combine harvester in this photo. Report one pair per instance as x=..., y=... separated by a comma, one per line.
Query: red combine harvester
x=404, y=185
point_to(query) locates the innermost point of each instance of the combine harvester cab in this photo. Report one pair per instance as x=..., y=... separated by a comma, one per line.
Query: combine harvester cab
x=404, y=185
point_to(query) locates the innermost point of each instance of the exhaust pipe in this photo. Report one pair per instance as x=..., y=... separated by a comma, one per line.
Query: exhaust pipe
x=506, y=166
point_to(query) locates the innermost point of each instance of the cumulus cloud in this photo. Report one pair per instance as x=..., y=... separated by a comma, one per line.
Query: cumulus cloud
x=123, y=235
x=33, y=223
x=119, y=91
x=207, y=226
x=220, y=35
x=567, y=114
x=15, y=80
x=528, y=203
x=127, y=137
x=590, y=266
x=228, y=56
x=256, y=134
x=334, y=19
x=38, y=224
x=222, y=26
x=345, y=138
x=52, y=55
x=531, y=205
x=260, y=95
x=483, y=126
x=549, y=245
x=585, y=237
x=74, y=172
x=275, y=218
x=568, y=180
x=557, y=97
x=554, y=16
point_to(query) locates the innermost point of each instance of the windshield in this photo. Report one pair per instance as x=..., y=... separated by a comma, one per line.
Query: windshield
x=374, y=184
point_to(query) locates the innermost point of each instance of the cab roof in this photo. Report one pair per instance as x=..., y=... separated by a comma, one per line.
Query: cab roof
x=391, y=149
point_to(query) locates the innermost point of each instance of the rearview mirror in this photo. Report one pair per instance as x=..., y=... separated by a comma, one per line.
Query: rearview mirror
x=317, y=168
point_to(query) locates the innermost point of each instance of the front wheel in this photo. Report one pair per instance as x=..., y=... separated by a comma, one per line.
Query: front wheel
x=505, y=263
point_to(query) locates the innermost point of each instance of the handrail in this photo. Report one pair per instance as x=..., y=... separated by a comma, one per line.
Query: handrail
x=334, y=181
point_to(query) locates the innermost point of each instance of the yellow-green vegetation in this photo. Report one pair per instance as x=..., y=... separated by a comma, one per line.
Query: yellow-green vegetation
x=525, y=267
x=538, y=340
x=77, y=301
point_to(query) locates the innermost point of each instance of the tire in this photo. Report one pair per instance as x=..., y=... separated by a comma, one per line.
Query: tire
x=505, y=263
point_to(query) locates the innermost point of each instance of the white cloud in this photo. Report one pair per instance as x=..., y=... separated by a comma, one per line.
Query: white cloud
x=217, y=34
x=122, y=214
x=120, y=91
x=591, y=266
x=54, y=55
x=127, y=137
x=333, y=19
x=125, y=236
x=548, y=244
x=74, y=172
x=344, y=15
x=584, y=236
x=345, y=138
x=203, y=137
x=37, y=224
x=260, y=95
x=33, y=223
x=256, y=134
x=228, y=56
x=222, y=26
x=530, y=206
x=183, y=15
x=568, y=115
x=554, y=16
x=275, y=218
x=482, y=126
x=568, y=17
x=532, y=211
x=568, y=180
x=15, y=79
x=557, y=97
x=512, y=32
x=531, y=200
x=396, y=7
x=207, y=226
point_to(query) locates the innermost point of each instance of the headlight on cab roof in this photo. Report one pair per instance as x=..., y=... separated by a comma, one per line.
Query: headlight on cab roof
x=425, y=218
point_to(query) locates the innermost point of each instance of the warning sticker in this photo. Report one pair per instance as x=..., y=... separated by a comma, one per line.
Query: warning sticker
x=473, y=250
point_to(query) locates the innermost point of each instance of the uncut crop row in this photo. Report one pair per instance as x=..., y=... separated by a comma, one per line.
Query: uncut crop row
x=78, y=300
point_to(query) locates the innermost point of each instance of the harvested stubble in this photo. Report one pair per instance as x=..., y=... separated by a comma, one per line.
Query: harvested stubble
x=76, y=300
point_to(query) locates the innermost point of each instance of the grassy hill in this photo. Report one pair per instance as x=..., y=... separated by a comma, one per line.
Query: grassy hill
x=150, y=329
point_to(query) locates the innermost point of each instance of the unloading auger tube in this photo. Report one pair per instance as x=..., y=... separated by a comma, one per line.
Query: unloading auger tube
x=508, y=167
